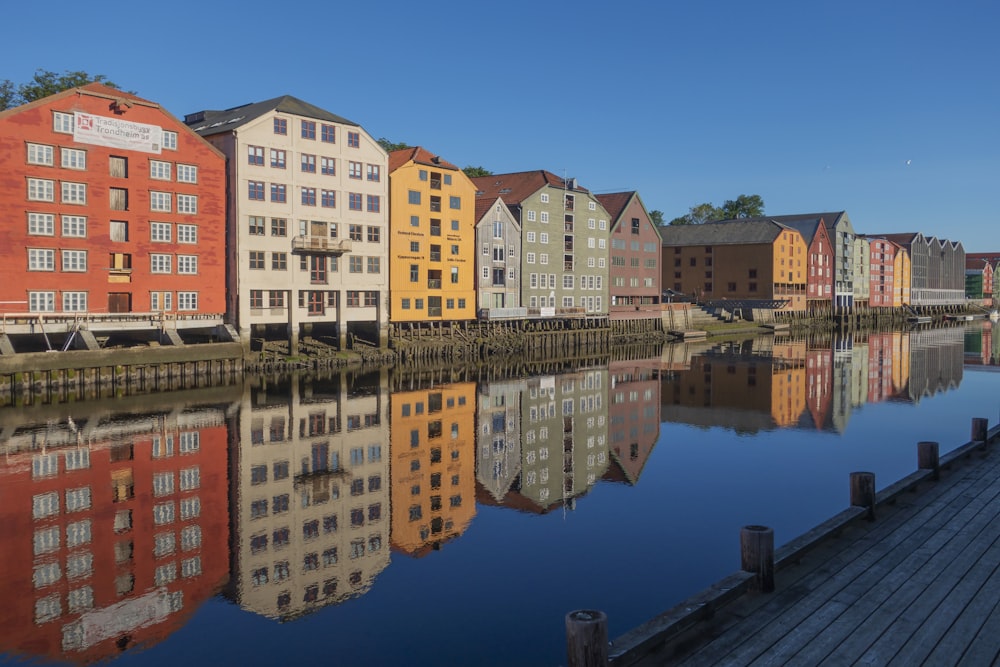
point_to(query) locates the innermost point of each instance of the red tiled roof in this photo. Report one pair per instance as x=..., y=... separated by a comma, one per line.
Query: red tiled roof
x=419, y=155
x=516, y=187
x=615, y=203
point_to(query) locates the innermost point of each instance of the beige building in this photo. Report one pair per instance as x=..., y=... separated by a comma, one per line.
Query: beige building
x=309, y=495
x=307, y=213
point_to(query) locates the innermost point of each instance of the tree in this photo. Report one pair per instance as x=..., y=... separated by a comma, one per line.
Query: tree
x=390, y=147
x=744, y=206
x=473, y=172
x=656, y=216
x=699, y=214
x=43, y=84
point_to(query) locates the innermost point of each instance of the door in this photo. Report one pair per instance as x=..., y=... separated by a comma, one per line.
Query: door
x=120, y=302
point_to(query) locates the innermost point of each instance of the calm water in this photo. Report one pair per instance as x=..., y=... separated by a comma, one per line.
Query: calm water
x=403, y=519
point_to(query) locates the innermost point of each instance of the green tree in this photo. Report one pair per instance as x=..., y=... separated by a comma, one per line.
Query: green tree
x=699, y=214
x=473, y=172
x=656, y=216
x=390, y=146
x=43, y=84
x=744, y=206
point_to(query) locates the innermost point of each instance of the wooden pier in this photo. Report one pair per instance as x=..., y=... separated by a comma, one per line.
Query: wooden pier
x=910, y=575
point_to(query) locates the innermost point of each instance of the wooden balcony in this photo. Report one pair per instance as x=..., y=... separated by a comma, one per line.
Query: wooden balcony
x=320, y=244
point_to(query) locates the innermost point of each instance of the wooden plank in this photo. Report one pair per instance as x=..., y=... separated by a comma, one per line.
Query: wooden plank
x=985, y=646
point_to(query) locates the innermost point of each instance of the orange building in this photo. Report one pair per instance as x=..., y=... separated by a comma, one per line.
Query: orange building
x=114, y=534
x=433, y=449
x=111, y=206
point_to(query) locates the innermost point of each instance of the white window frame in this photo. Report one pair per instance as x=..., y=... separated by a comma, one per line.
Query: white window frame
x=160, y=170
x=74, y=226
x=74, y=302
x=187, y=264
x=73, y=193
x=187, y=233
x=62, y=122
x=160, y=263
x=187, y=204
x=72, y=158
x=74, y=261
x=544, y=217
x=169, y=140
x=41, y=189
x=41, y=259
x=41, y=224
x=187, y=301
x=42, y=154
x=187, y=173
x=41, y=302
x=160, y=232
x=160, y=201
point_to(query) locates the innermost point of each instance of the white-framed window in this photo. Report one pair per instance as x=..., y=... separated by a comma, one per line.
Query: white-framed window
x=187, y=233
x=163, y=483
x=159, y=263
x=41, y=189
x=163, y=447
x=163, y=544
x=190, y=537
x=80, y=599
x=544, y=217
x=74, y=260
x=77, y=533
x=543, y=237
x=543, y=258
x=187, y=204
x=41, y=259
x=160, y=232
x=601, y=243
x=74, y=302
x=591, y=223
x=44, y=465
x=529, y=258
x=46, y=574
x=159, y=170
x=592, y=206
x=591, y=242
x=170, y=140
x=190, y=478
x=48, y=608
x=161, y=300
x=41, y=302
x=486, y=272
x=78, y=499
x=190, y=508
x=160, y=201
x=544, y=198
x=74, y=226
x=187, y=264
x=567, y=282
x=73, y=158
x=74, y=193
x=41, y=154
x=164, y=574
x=531, y=216
x=187, y=173
x=590, y=262
x=79, y=565
x=191, y=567
x=41, y=224
x=187, y=301
x=62, y=122
x=530, y=236
x=46, y=540
x=602, y=224
x=189, y=442
x=45, y=505
x=600, y=262
x=164, y=513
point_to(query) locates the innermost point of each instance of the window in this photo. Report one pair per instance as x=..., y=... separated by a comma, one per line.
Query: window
x=42, y=224
x=373, y=172
x=328, y=166
x=170, y=140
x=41, y=302
x=187, y=264
x=160, y=232
x=278, y=158
x=74, y=226
x=309, y=196
x=279, y=227
x=256, y=225
x=414, y=273
x=281, y=126
x=255, y=155
x=62, y=122
x=544, y=216
x=159, y=263
x=256, y=259
x=187, y=301
x=279, y=261
x=356, y=264
x=328, y=133
x=355, y=232
x=374, y=203
x=74, y=302
x=187, y=173
x=328, y=198
x=375, y=234
x=276, y=299
x=354, y=169
x=354, y=139
x=413, y=196
x=255, y=190
x=308, y=129
x=354, y=201
x=455, y=202
x=278, y=193
x=40, y=259
x=74, y=193
x=187, y=204
x=374, y=265
x=159, y=170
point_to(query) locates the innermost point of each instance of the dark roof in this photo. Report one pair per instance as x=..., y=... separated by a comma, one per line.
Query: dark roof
x=483, y=206
x=209, y=122
x=728, y=232
x=518, y=186
x=615, y=202
x=905, y=239
x=808, y=228
x=418, y=155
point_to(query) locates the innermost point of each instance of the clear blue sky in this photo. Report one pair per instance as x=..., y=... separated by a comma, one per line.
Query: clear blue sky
x=886, y=110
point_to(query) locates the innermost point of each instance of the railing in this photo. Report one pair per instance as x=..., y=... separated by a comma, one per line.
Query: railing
x=433, y=283
x=86, y=320
x=320, y=244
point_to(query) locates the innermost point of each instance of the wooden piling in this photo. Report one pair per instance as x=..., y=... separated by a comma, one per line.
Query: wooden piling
x=757, y=556
x=980, y=425
x=863, y=492
x=928, y=459
x=587, y=638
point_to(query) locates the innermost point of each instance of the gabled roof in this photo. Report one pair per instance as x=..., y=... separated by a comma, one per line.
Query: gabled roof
x=977, y=263
x=93, y=89
x=830, y=218
x=905, y=240
x=615, y=202
x=418, y=155
x=747, y=231
x=518, y=186
x=209, y=122
x=808, y=228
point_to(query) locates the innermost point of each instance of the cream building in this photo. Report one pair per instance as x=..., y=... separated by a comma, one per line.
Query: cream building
x=307, y=213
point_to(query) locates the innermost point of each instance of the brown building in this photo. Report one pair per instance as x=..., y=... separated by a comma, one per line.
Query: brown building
x=633, y=417
x=756, y=260
x=634, y=273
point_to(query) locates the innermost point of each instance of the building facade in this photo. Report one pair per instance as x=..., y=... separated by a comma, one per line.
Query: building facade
x=937, y=269
x=307, y=212
x=112, y=207
x=882, y=261
x=819, y=282
x=634, y=272
x=432, y=228
x=498, y=265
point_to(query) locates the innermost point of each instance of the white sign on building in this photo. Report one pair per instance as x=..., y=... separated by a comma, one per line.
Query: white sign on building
x=117, y=133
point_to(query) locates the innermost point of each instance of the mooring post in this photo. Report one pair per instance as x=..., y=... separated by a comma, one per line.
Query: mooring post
x=928, y=459
x=757, y=556
x=587, y=638
x=863, y=492
x=980, y=427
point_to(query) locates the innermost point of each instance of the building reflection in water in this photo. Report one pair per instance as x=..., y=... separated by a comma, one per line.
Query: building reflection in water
x=309, y=492
x=633, y=417
x=115, y=526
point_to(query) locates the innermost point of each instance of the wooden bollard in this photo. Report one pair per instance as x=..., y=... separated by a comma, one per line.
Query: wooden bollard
x=757, y=556
x=587, y=638
x=928, y=459
x=863, y=492
x=980, y=426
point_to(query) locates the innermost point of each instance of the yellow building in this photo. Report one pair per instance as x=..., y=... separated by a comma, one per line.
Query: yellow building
x=432, y=237
x=901, y=273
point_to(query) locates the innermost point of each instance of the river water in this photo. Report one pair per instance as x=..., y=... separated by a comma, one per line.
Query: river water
x=435, y=518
